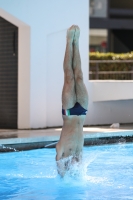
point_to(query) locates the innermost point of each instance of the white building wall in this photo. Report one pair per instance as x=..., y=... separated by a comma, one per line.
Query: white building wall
x=111, y=90
x=110, y=102
x=23, y=69
x=48, y=21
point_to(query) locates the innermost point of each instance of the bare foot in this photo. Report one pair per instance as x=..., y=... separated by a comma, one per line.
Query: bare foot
x=70, y=33
x=77, y=34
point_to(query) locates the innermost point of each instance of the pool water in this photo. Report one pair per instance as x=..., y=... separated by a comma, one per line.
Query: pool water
x=106, y=173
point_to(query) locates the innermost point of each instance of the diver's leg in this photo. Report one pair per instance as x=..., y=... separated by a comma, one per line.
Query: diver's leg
x=80, y=89
x=68, y=93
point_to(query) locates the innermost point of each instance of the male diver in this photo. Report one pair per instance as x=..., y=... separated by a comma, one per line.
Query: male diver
x=74, y=105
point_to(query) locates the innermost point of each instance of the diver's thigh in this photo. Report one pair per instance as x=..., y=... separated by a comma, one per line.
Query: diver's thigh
x=68, y=95
x=82, y=94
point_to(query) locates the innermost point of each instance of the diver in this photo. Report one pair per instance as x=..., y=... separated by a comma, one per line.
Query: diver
x=74, y=105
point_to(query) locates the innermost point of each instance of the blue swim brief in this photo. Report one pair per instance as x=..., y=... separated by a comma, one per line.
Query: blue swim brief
x=76, y=110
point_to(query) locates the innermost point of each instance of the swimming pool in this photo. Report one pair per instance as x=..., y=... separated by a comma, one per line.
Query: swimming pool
x=106, y=173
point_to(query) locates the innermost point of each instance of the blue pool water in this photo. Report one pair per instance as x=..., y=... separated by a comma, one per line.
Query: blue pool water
x=106, y=173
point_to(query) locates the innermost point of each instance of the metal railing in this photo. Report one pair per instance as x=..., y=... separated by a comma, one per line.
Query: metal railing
x=113, y=72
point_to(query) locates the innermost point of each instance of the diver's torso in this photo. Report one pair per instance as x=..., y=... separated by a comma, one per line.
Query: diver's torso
x=71, y=139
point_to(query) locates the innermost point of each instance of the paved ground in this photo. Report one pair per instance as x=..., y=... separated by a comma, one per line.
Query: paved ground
x=41, y=137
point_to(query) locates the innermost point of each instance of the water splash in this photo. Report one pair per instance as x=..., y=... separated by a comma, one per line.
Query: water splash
x=78, y=172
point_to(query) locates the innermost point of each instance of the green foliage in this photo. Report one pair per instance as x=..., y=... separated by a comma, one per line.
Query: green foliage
x=112, y=66
x=110, y=56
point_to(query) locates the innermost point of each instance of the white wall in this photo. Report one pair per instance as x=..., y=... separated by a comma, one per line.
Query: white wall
x=23, y=120
x=110, y=90
x=110, y=102
x=47, y=19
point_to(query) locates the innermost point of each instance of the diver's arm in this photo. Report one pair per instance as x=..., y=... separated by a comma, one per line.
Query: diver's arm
x=60, y=163
x=58, y=152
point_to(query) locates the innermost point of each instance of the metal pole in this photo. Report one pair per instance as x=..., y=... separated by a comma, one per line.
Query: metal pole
x=97, y=71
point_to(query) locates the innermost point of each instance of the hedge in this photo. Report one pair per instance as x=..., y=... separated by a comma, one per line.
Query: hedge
x=111, y=66
x=110, y=56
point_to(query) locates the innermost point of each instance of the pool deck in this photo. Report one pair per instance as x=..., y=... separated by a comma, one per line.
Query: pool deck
x=11, y=139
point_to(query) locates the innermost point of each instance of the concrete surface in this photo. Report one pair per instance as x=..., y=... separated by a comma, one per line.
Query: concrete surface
x=31, y=139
